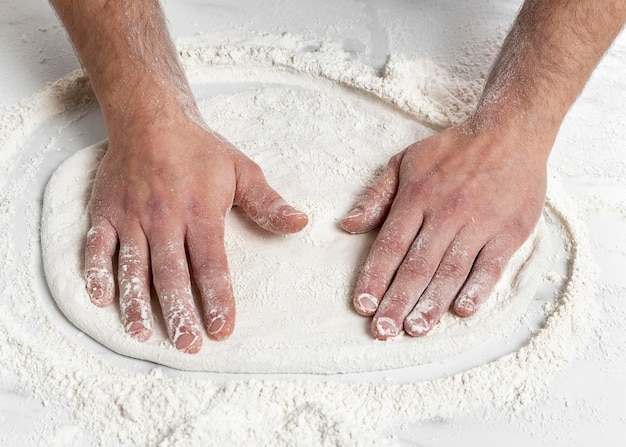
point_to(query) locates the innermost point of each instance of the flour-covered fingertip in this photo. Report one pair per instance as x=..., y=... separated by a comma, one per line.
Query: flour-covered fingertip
x=100, y=286
x=385, y=328
x=139, y=331
x=188, y=342
x=366, y=304
x=416, y=325
x=465, y=306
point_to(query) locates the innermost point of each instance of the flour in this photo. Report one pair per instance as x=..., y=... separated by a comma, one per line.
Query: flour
x=154, y=409
x=321, y=157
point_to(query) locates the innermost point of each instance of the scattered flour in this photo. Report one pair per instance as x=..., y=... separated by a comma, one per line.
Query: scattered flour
x=154, y=409
x=322, y=157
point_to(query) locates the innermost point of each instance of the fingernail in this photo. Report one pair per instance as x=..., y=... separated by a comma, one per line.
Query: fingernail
x=354, y=213
x=216, y=325
x=95, y=293
x=284, y=209
x=417, y=325
x=99, y=283
x=188, y=343
x=466, y=304
x=386, y=327
x=366, y=303
x=288, y=212
x=138, y=331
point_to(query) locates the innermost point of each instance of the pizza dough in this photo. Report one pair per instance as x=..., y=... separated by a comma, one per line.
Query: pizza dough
x=319, y=144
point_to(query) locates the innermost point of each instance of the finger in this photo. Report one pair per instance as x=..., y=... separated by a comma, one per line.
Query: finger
x=99, y=250
x=443, y=288
x=211, y=275
x=265, y=206
x=484, y=276
x=173, y=287
x=412, y=278
x=134, y=279
x=387, y=252
x=374, y=205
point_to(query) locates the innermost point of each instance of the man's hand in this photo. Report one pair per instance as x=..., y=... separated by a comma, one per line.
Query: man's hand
x=455, y=207
x=163, y=196
x=166, y=181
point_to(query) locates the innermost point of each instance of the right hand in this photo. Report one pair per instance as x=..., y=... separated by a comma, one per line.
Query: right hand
x=452, y=208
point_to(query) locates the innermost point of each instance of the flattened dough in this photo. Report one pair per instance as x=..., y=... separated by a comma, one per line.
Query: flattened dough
x=319, y=145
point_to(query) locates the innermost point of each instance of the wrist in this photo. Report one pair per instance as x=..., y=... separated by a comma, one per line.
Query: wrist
x=532, y=126
x=508, y=136
x=149, y=109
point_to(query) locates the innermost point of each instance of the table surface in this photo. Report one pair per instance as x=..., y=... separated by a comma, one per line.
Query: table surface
x=587, y=402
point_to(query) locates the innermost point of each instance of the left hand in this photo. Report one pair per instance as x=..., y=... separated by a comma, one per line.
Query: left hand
x=453, y=208
x=161, y=194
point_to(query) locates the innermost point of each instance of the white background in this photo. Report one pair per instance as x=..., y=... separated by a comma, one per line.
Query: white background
x=586, y=404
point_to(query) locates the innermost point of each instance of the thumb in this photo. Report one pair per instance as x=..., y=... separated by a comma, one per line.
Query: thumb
x=373, y=206
x=265, y=206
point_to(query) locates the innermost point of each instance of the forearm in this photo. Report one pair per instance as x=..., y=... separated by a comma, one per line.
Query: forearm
x=549, y=54
x=128, y=54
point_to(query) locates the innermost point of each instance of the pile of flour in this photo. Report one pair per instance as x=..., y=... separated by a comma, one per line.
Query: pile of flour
x=154, y=409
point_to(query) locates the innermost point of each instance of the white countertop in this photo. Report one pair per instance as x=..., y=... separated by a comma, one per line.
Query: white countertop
x=586, y=404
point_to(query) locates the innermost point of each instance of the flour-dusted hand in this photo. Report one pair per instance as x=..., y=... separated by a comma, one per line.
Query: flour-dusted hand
x=445, y=238
x=166, y=181
x=163, y=197
x=454, y=207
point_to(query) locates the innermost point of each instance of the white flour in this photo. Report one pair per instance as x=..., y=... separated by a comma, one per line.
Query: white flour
x=321, y=156
x=153, y=409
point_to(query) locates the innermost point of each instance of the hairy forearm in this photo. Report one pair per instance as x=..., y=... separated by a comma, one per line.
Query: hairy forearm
x=127, y=52
x=549, y=54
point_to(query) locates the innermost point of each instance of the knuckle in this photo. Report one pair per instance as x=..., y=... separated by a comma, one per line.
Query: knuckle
x=249, y=171
x=169, y=265
x=417, y=266
x=197, y=209
x=94, y=234
x=250, y=166
x=372, y=281
x=493, y=267
x=430, y=309
x=158, y=206
x=390, y=248
x=210, y=214
x=414, y=190
x=96, y=237
x=520, y=227
x=376, y=191
x=455, y=202
x=395, y=301
x=400, y=300
x=451, y=269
